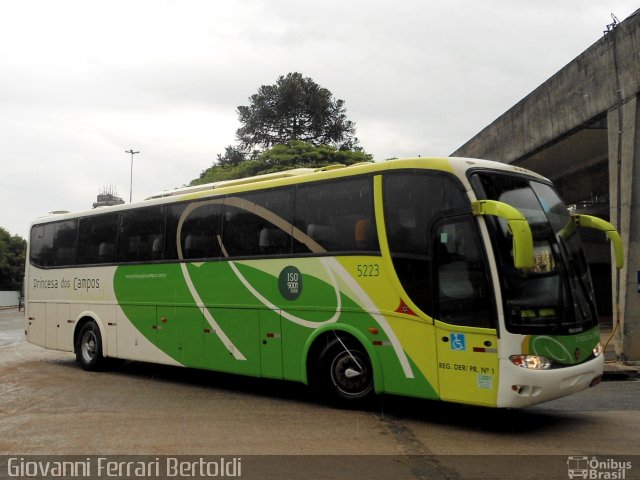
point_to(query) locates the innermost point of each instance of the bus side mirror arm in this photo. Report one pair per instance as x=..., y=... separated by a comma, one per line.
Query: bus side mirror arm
x=518, y=226
x=587, y=221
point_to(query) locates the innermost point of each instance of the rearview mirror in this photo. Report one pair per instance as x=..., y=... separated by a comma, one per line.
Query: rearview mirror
x=518, y=227
x=587, y=221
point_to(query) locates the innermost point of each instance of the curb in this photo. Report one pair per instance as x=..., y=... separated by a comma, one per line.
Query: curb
x=620, y=372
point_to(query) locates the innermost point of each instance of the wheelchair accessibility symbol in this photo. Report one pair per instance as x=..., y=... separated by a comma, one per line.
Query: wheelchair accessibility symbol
x=458, y=342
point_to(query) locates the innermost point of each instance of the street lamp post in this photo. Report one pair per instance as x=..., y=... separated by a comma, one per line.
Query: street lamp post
x=131, y=177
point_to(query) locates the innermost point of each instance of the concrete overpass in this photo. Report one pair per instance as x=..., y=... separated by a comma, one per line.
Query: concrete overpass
x=581, y=129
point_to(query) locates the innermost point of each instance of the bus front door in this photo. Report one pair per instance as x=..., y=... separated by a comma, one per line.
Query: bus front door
x=467, y=342
x=467, y=364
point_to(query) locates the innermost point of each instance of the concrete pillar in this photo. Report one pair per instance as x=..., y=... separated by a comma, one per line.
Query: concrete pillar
x=624, y=165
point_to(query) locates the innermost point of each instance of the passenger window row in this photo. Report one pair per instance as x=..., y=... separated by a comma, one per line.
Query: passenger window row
x=334, y=216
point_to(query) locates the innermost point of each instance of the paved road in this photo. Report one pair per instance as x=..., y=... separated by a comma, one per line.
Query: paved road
x=11, y=326
x=50, y=406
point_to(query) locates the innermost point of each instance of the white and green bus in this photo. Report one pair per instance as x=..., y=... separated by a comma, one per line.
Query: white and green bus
x=455, y=279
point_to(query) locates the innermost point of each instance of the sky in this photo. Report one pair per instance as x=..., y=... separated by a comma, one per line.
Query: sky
x=83, y=81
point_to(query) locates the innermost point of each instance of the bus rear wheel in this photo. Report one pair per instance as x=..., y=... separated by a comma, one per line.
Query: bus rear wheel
x=346, y=375
x=89, y=347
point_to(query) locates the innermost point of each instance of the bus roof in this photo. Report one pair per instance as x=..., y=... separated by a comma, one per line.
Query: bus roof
x=456, y=165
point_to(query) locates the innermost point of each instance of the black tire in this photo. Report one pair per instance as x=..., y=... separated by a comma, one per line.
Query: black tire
x=345, y=373
x=89, y=347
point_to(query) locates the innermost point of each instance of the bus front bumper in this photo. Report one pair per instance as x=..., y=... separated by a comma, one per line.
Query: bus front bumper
x=521, y=387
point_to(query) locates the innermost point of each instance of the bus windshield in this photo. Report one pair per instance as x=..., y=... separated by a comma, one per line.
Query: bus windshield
x=555, y=296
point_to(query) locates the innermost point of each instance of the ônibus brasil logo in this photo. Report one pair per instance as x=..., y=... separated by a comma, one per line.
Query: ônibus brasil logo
x=594, y=468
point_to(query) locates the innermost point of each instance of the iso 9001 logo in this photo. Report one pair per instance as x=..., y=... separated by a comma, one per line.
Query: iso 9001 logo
x=290, y=283
x=594, y=468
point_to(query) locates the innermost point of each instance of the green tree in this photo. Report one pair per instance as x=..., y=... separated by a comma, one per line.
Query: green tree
x=294, y=123
x=12, y=257
x=293, y=154
x=232, y=157
x=295, y=108
x=297, y=153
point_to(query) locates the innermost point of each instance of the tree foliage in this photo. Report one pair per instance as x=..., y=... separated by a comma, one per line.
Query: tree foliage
x=294, y=154
x=294, y=123
x=295, y=108
x=232, y=157
x=12, y=257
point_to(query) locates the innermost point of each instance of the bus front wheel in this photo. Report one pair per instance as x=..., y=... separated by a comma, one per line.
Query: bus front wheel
x=346, y=375
x=89, y=347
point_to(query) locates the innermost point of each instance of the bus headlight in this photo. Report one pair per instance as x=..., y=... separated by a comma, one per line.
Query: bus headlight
x=532, y=362
x=597, y=350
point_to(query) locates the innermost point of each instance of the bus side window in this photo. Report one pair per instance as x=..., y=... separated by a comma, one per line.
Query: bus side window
x=64, y=242
x=365, y=234
x=41, y=245
x=338, y=215
x=274, y=241
x=200, y=231
x=278, y=209
x=462, y=282
x=413, y=201
x=258, y=223
x=138, y=231
x=240, y=233
x=97, y=238
x=325, y=235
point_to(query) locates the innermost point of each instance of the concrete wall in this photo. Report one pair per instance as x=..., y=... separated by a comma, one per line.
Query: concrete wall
x=9, y=299
x=624, y=145
x=583, y=90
